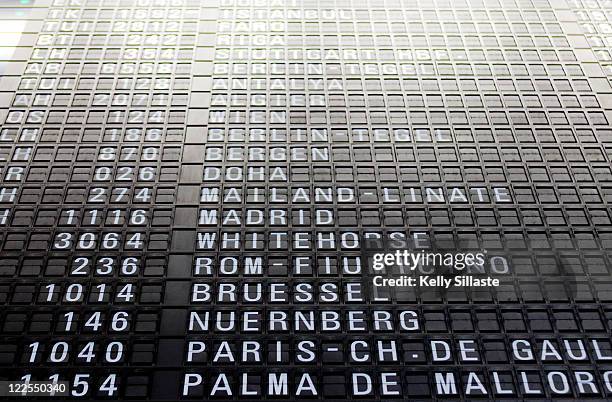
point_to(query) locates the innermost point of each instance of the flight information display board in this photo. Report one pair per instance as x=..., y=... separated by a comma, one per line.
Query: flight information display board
x=306, y=200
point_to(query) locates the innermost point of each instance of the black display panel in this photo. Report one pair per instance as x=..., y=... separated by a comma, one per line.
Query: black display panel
x=305, y=200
